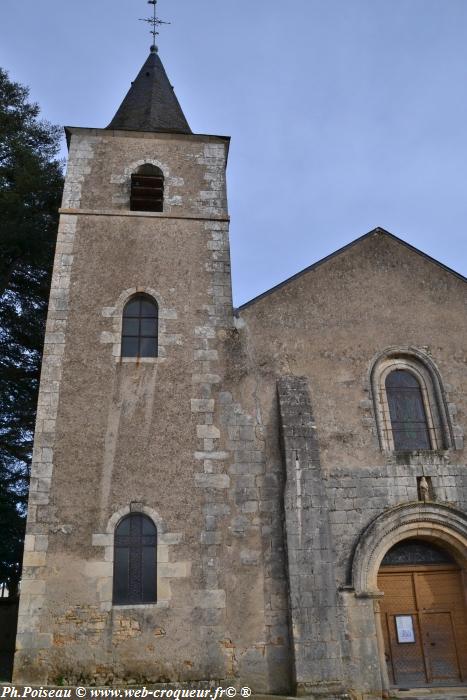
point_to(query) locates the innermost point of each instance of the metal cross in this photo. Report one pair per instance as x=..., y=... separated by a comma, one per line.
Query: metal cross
x=155, y=22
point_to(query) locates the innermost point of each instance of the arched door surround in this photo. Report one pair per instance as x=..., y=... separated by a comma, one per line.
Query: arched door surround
x=435, y=522
x=443, y=526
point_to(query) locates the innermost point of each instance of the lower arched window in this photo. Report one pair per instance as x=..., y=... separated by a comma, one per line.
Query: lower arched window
x=135, y=561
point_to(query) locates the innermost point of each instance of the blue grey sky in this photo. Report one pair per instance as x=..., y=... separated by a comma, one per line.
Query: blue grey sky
x=344, y=114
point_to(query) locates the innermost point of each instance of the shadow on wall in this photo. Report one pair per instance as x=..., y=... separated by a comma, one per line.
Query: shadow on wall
x=8, y=622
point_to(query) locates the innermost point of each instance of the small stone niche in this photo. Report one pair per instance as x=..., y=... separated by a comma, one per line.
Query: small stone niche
x=425, y=488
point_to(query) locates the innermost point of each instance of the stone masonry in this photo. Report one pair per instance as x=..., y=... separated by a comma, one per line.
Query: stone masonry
x=258, y=441
x=310, y=551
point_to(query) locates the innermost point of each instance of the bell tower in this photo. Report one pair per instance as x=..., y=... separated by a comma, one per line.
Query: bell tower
x=121, y=579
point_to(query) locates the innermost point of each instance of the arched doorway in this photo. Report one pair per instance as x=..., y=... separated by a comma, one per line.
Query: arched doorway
x=423, y=615
x=439, y=524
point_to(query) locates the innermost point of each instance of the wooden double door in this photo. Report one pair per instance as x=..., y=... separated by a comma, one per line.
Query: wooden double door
x=424, y=622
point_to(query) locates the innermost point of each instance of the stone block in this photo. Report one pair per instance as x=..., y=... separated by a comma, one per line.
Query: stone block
x=249, y=557
x=208, y=431
x=102, y=540
x=34, y=558
x=212, y=481
x=202, y=405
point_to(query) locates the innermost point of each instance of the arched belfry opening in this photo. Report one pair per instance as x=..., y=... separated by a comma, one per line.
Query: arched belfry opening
x=147, y=189
x=423, y=615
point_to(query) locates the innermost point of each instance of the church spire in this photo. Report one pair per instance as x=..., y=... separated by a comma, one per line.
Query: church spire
x=151, y=104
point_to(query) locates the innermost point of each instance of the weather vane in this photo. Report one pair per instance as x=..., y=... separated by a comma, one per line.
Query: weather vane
x=154, y=22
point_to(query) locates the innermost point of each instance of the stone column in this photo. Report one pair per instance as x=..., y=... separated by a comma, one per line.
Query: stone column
x=312, y=585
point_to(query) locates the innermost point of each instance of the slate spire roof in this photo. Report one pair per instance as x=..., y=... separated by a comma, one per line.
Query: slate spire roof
x=151, y=104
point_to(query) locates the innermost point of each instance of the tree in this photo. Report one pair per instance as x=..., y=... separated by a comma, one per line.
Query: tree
x=31, y=183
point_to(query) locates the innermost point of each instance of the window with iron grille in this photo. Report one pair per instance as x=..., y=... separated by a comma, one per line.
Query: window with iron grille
x=140, y=327
x=135, y=557
x=410, y=408
x=407, y=411
x=147, y=189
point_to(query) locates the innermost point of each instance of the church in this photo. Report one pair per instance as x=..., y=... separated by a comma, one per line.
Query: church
x=273, y=496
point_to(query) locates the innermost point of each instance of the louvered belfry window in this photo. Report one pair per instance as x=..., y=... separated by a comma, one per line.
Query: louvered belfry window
x=147, y=189
x=140, y=327
x=407, y=411
x=135, y=574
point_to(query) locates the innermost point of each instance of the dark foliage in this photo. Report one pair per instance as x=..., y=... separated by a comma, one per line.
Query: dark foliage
x=31, y=182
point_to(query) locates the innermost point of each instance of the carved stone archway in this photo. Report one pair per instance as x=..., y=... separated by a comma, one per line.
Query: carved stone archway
x=433, y=522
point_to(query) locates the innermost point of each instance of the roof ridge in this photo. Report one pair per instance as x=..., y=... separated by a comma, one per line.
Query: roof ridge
x=376, y=231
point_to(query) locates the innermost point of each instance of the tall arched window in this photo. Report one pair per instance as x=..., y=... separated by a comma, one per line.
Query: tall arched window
x=135, y=557
x=410, y=407
x=407, y=411
x=140, y=327
x=147, y=189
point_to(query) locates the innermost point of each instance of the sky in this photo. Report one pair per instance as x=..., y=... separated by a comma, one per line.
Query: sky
x=344, y=115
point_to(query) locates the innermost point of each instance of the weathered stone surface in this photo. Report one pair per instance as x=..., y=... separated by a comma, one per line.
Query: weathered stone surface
x=216, y=442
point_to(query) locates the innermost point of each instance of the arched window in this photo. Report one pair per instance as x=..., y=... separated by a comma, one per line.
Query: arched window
x=415, y=552
x=135, y=574
x=410, y=408
x=147, y=189
x=139, y=327
x=407, y=411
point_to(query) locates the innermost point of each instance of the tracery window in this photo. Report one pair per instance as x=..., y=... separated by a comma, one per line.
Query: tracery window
x=140, y=327
x=135, y=547
x=409, y=404
x=147, y=189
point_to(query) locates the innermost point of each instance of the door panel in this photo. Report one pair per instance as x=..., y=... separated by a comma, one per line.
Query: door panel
x=440, y=647
x=435, y=599
x=407, y=659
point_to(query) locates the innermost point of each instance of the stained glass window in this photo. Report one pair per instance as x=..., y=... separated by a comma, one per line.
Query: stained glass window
x=135, y=547
x=407, y=411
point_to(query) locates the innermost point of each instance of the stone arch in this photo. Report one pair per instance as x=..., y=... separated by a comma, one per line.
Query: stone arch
x=165, y=317
x=133, y=167
x=126, y=295
x=429, y=378
x=435, y=522
x=135, y=508
x=169, y=567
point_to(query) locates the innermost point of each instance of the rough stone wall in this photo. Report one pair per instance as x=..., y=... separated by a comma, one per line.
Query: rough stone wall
x=328, y=326
x=356, y=499
x=192, y=437
x=310, y=552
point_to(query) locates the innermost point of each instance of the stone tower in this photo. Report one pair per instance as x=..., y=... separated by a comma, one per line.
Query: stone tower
x=123, y=432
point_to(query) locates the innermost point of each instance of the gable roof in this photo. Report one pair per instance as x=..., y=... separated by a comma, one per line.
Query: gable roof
x=151, y=104
x=374, y=232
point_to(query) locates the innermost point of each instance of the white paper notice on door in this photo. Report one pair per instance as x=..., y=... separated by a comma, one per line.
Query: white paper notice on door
x=405, y=630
